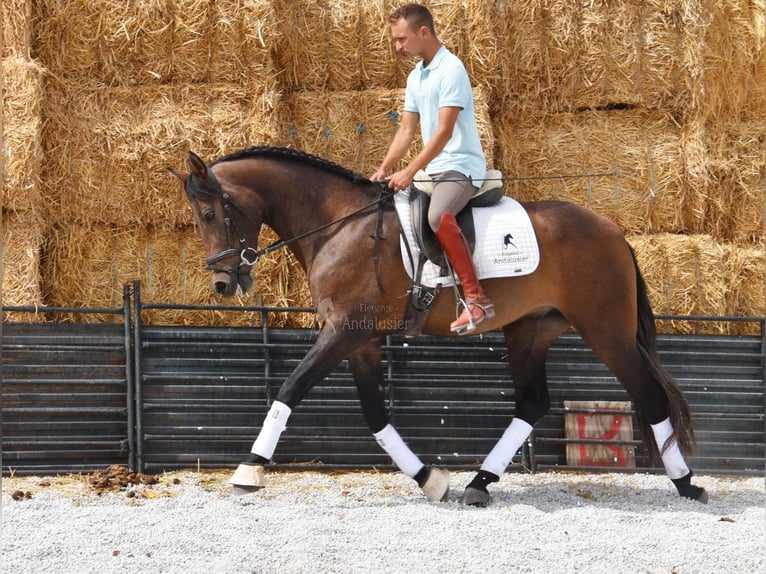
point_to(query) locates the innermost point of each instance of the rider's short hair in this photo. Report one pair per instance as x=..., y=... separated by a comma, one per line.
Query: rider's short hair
x=416, y=16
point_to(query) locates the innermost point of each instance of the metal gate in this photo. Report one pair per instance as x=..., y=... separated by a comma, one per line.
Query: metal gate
x=77, y=397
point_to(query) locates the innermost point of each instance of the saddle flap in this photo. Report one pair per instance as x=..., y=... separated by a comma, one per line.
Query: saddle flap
x=427, y=242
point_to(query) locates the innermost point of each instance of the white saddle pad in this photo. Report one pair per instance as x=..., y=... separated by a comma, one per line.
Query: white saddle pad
x=506, y=245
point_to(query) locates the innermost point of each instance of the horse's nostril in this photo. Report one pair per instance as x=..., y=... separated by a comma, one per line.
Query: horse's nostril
x=220, y=287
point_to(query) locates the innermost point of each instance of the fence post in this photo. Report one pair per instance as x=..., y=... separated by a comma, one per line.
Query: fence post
x=266, y=352
x=138, y=370
x=129, y=376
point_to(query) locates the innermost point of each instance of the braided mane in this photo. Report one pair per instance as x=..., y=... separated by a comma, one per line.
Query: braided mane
x=296, y=155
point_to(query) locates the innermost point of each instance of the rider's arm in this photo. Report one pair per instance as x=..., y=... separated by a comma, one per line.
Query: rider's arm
x=403, y=138
x=447, y=119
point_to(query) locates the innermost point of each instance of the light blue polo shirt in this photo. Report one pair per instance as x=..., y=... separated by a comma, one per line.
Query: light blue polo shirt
x=445, y=83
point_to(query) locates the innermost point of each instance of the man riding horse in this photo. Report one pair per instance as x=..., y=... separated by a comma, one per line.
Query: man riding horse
x=439, y=98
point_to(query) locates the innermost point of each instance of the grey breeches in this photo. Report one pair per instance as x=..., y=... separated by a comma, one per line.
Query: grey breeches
x=452, y=191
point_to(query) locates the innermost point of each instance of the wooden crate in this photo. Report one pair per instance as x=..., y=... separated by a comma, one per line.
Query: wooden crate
x=599, y=421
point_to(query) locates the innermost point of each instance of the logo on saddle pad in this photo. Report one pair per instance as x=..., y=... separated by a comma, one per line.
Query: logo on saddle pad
x=508, y=241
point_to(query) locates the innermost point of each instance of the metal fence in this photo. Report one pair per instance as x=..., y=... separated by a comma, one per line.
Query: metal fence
x=78, y=397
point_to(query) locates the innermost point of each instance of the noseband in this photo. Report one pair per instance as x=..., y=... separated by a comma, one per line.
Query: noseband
x=248, y=256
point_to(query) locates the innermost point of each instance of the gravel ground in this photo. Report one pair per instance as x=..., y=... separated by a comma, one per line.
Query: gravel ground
x=312, y=522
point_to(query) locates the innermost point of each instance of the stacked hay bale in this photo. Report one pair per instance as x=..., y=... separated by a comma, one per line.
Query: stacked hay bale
x=137, y=86
x=23, y=225
x=650, y=113
x=659, y=107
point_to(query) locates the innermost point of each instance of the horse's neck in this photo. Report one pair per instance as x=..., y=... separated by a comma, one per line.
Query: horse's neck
x=306, y=205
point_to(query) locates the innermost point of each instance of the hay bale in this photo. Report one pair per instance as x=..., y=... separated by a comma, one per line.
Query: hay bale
x=734, y=62
x=241, y=36
x=22, y=114
x=355, y=128
x=336, y=46
x=107, y=151
x=466, y=27
x=746, y=285
x=346, y=44
x=560, y=56
x=16, y=33
x=23, y=237
x=735, y=200
x=157, y=41
x=682, y=56
x=641, y=153
x=326, y=125
x=303, y=52
x=685, y=275
x=88, y=265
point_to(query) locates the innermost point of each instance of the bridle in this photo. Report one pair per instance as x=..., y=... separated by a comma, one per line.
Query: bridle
x=248, y=256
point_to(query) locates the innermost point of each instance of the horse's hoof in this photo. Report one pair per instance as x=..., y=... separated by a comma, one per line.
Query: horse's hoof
x=247, y=478
x=436, y=487
x=474, y=497
x=688, y=490
x=695, y=493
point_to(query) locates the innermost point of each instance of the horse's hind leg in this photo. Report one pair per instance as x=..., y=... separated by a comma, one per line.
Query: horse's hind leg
x=528, y=342
x=663, y=411
x=367, y=369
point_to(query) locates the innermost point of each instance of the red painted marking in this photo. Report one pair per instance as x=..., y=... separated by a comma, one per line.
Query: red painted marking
x=620, y=454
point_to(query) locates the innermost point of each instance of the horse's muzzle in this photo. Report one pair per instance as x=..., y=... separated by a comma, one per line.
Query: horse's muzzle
x=227, y=279
x=229, y=283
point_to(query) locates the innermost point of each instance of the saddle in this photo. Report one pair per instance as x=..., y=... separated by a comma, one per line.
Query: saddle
x=422, y=297
x=420, y=198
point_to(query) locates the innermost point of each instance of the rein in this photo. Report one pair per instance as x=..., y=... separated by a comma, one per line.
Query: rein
x=249, y=256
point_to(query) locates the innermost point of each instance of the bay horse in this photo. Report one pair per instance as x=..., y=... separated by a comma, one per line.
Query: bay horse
x=344, y=231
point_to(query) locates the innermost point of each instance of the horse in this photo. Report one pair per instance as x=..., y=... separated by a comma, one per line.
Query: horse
x=344, y=231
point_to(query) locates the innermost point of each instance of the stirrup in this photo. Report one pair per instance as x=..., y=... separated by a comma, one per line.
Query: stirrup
x=487, y=312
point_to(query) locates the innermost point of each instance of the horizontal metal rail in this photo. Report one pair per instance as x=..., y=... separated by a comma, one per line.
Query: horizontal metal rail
x=81, y=396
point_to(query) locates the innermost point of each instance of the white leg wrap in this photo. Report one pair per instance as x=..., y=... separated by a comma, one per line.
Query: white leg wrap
x=672, y=458
x=275, y=423
x=502, y=454
x=397, y=449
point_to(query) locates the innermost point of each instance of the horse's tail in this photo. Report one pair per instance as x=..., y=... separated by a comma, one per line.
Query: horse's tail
x=675, y=401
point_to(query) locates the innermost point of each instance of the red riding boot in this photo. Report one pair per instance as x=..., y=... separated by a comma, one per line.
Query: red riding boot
x=477, y=307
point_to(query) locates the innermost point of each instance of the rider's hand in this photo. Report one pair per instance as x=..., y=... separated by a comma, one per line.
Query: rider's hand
x=379, y=175
x=400, y=180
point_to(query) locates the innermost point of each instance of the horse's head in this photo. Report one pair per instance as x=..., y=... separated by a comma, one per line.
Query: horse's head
x=224, y=228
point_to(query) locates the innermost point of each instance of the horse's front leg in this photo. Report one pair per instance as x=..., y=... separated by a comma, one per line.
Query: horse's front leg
x=527, y=341
x=367, y=368
x=332, y=346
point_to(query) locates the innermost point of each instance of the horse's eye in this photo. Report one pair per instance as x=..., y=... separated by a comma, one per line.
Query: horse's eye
x=208, y=216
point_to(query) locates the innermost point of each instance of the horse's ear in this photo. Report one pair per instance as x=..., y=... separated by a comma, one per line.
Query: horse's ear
x=182, y=176
x=198, y=167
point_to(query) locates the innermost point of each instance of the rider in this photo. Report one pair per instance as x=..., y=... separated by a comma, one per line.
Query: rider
x=439, y=97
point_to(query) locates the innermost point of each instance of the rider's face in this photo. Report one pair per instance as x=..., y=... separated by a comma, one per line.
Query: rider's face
x=408, y=42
